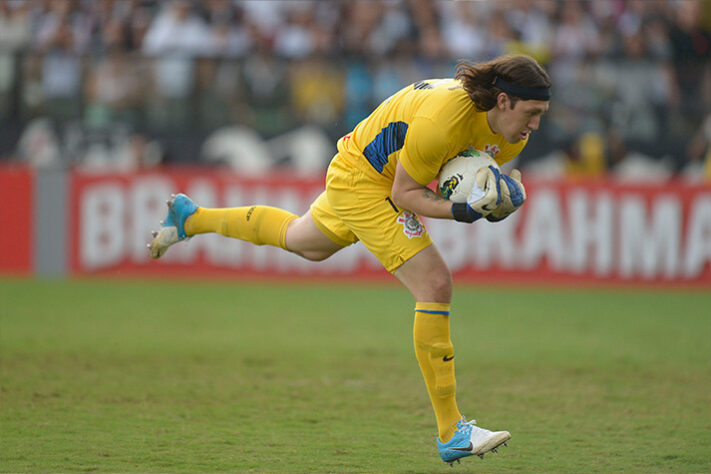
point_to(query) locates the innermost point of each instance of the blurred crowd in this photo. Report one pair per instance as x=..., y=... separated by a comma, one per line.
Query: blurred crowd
x=632, y=78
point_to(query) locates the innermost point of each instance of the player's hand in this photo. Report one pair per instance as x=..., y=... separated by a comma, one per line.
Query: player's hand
x=486, y=192
x=513, y=195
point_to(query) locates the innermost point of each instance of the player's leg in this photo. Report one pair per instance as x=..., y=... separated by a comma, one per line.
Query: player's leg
x=426, y=276
x=258, y=224
x=265, y=225
x=429, y=280
x=399, y=240
x=304, y=238
x=261, y=225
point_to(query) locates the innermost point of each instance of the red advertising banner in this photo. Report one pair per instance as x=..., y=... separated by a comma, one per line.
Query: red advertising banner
x=578, y=233
x=16, y=225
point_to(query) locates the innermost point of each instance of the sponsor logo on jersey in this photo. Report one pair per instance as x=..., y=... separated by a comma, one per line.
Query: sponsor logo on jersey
x=411, y=224
x=492, y=150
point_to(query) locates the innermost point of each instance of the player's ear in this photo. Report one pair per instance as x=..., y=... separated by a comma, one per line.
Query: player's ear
x=503, y=101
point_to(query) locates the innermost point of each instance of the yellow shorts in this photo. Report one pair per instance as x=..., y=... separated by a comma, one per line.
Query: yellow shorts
x=354, y=207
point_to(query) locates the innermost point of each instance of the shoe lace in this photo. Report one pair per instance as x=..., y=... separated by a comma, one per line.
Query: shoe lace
x=465, y=426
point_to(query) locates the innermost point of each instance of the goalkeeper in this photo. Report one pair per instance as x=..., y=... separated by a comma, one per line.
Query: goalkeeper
x=376, y=186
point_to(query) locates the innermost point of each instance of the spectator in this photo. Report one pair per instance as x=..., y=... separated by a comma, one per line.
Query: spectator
x=296, y=39
x=177, y=30
x=15, y=35
x=229, y=36
x=638, y=68
x=576, y=35
x=359, y=21
x=358, y=86
x=691, y=49
x=698, y=165
x=641, y=86
x=586, y=157
x=317, y=92
x=15, y=26
x=266, y=91
x=174, y=38
x=464, y=31
x=61, y=74
x=113, y=91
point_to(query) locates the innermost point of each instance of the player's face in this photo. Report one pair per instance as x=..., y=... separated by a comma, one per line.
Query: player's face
x=518, y=121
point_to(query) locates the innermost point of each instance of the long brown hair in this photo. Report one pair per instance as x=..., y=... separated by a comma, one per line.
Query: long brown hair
x=519, y=69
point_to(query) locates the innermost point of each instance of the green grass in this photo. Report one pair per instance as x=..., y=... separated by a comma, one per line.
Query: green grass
x=227, y=376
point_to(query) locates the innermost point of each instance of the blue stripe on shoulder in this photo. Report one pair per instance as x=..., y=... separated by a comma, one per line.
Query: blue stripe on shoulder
x=389, y=140
x=446, y=313
x=422, y=85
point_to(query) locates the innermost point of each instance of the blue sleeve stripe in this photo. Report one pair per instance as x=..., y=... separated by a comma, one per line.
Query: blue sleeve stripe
x=446, y=313
x=422, y=85
x=389, y=140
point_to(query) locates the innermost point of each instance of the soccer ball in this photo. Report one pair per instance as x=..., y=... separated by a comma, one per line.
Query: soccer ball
x=457, y=176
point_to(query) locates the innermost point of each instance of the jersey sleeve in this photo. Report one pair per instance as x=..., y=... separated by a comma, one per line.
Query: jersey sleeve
x=424, y=150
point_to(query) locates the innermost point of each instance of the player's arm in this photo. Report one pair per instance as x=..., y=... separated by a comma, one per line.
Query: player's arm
x=420, y=161
x=408, y=194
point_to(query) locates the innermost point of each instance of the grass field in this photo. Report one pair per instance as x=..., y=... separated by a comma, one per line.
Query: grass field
x=227, y=376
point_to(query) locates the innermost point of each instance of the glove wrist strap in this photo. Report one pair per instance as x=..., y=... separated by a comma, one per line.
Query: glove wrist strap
x=463, y=213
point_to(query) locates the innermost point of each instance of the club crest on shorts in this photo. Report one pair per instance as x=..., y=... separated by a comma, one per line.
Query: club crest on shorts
x=411, y=224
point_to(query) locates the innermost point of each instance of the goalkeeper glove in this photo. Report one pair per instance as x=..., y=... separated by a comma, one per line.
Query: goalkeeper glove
x=484, y=197
x=513, y=195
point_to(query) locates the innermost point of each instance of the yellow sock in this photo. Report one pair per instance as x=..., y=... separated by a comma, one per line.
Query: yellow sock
x=261, y=225
x=435, y=354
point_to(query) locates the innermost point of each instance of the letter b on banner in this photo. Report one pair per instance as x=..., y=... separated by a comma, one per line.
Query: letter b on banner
x=102, y=226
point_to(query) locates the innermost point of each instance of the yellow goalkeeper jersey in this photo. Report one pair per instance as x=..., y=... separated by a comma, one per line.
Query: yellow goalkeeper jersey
x=422, y=126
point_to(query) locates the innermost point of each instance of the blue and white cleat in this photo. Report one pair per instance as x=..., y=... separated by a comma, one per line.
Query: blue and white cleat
x=471, y=440
x=180, y=207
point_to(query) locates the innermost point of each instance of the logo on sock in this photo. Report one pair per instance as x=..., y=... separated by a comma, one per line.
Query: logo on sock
x=447, y=358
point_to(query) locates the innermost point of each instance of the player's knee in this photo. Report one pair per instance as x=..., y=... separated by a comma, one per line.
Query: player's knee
x=441, y=286
x=314, y=255
x=306, y=240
